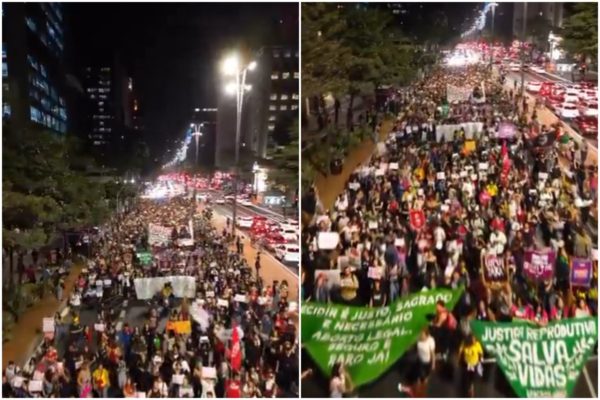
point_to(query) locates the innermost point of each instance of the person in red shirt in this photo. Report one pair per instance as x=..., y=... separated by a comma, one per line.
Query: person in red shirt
x=233, y=387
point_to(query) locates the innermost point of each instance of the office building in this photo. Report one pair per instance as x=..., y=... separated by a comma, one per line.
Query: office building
x=33, y=76
x=270, y=107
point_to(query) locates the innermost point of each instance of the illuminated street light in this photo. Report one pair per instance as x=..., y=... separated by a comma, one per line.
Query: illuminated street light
x=231, y=67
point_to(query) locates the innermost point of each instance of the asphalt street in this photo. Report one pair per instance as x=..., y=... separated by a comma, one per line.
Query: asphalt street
x=445, y=381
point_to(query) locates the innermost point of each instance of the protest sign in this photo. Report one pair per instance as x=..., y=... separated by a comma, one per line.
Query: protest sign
x=581, y=272
x=180, y=327
x=158, y=234
x=417, y=219
x=331, y=277
x=99, y=327
x=470, y=146
x=48, y=325
x=506, y=130
x=540, y=361
x=494, y=271
x=539, y=264
x=368, y=341
x=328, y=240
x=145, y=258
x=35, y=386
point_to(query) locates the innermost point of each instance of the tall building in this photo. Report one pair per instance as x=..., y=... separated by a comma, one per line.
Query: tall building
x=33, y=76
x=269, y=107
x=552, y=12
x=112, y=106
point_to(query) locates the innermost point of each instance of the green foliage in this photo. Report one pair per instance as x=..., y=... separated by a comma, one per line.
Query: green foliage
x=580, y=31
x=538, y=29
x=285, y=161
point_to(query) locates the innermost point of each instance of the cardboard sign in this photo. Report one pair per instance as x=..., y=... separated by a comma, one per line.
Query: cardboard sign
x=399, y=242
x=240, y=298
x=373, y=224
x=35, y=386
x=328, y=240
x=581, y=272
x=178, y=379
x=440, y=176
x=99, y=327
x=506, y=130
x=393, y=166
x=48, y=325
x=374, y=273
x=354, y=185
x=494, y=271
x=209, y=373
x=330, y=277
x=210, y=294
x=222, y=303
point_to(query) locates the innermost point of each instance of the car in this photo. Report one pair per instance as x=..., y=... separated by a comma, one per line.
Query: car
x=203, y=196
x=229, y=198
x=588, y=108
x=588, y=94
x=244, y=222
x=220, y=200
x=533, y=87
x=537, y=69
x=567, y=111
x=290, y=233
x=514, y=67
x=246, y=202
x=587, y=126
x=571, y=97
x=273, y=239
x=288, y=253
x=546, y=89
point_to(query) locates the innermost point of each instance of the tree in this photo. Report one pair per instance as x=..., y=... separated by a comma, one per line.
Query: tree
x=580, y=31
x=538, y=29
x=285, y=161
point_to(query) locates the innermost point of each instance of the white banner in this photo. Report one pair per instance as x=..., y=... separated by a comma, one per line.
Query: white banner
x=456, y=93
x=183, y=286
x=158, y=234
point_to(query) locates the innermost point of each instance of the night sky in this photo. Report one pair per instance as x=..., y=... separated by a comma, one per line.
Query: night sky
x=173, y=50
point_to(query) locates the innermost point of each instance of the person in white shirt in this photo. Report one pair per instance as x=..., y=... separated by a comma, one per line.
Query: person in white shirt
x=497, y=242
x=426, y=357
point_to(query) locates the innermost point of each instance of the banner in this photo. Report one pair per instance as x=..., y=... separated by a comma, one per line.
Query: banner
x=581, y=272
x=180, y=327
x=158, y=234
x=368, y=341
x=540, y=361
x=506, y=130
x=539, y=264
x=494, y=271
x=183, y=286
x=458, y=93
x=417, y=219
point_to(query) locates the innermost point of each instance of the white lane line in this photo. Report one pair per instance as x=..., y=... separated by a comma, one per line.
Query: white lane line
x=590, y=386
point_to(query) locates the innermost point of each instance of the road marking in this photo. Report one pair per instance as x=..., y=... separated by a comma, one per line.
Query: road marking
x=586, y=375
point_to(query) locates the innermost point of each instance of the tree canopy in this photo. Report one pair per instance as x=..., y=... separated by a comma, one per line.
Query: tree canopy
x=580, y=31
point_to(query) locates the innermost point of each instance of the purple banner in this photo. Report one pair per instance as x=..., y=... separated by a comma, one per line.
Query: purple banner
x=581, y=272
x=506, y=130
x=539, y=264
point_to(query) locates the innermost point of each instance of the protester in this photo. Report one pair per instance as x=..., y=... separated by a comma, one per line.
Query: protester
x=211, y=328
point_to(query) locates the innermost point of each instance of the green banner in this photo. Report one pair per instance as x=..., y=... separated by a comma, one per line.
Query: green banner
x=368, y=340
x=540, y=361
x=145, y=257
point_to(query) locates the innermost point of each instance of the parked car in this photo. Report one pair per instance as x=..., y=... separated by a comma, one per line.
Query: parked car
x=273, y=240
x=533, y=87
x=587, y=126
x=588, y=108
x=567, y=111
x=514, y=67
x=288, y=253
x=244, y=222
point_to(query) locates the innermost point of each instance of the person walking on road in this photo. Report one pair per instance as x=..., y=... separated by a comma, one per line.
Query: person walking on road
x=257, y=264
x=426, y=359
x=470, y=356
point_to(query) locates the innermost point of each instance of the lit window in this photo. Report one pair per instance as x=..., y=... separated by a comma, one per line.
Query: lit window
x=43, y=71
x=272, y=118
x=284, y=97
x=295, y=96
x=296, y=75
x=4, y=69
x=285, y=75
x=30, y=24
x=92, y=96
x=274, y=76
x=283, y=108
x=32, y=62
x=274, y=96
x=272, y=107
x=276, y=53
x=100, y=103
x=6, y=110
x=35, y=114
x=294, y=106
x=271, y=127
x=288, y=54
x=296, y=54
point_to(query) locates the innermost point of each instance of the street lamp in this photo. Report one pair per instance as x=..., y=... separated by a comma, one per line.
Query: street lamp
x=232, y=67
x=493, y=7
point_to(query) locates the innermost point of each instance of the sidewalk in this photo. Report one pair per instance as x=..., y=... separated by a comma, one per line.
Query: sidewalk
x=26, y=334
x=271, y=269
x=329, y=187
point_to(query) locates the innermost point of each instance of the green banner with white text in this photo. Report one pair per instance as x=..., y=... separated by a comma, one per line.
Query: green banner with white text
x=540, y=361
x=367, y=341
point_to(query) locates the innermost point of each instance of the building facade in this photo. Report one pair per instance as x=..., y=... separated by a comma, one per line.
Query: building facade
x=33, y=75
x=269, y=107
x=552, y=12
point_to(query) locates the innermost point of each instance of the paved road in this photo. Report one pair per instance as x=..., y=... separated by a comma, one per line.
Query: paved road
x=534, y=77
x=443, y=383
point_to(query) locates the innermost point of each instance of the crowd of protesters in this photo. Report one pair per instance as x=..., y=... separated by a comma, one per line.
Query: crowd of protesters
x=236, y=337
x=425, y=210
